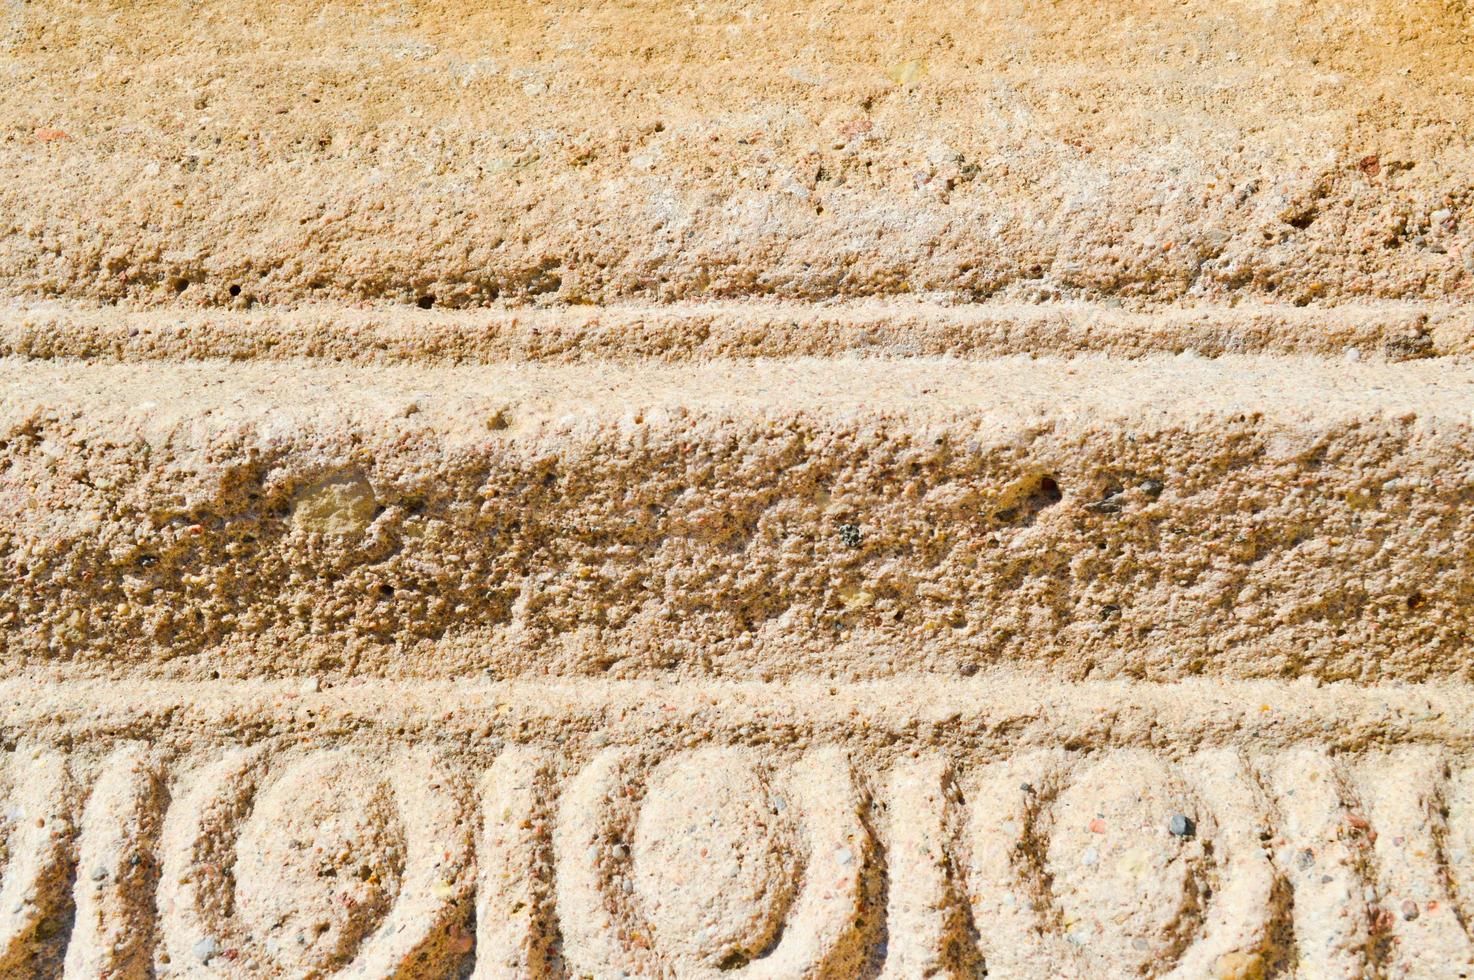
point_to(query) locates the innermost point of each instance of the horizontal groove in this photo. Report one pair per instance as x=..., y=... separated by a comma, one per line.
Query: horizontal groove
x=507, y=401
x=569, y=334
x=1001, y=710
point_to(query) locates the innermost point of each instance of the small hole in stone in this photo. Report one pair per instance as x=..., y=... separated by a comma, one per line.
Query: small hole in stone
x=1044, y=493
x=1302, y=220
x=425, y=302
x=1415, y=601
x=235, y=290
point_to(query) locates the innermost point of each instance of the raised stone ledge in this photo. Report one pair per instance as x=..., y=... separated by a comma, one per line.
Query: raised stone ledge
x=992, y=714
x=1093, y=517
x=469, y=154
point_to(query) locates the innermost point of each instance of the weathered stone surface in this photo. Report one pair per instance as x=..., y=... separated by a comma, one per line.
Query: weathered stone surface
x=1169, y=516
x=220, y=153
x=736, y=490
x=899, y=827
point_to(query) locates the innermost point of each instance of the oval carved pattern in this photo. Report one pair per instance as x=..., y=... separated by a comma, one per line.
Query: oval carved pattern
x=764, y=874
x=735, y=862
x=314, y=866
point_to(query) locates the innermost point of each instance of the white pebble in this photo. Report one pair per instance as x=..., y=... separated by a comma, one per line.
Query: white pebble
x=205, y=949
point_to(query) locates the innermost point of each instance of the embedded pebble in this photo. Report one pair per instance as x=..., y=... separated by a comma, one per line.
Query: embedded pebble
x=205, y=949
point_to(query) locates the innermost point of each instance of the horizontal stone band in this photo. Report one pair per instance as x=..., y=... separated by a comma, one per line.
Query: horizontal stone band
x=435, y=856
x=462, y=157
x=634, y=333
x=994, y=714
x=763, y=519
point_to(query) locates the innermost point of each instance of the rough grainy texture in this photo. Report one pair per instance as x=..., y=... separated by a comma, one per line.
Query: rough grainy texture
x=1158, y=518
x=783, y=491
x=214, y=152
x=1395, y=331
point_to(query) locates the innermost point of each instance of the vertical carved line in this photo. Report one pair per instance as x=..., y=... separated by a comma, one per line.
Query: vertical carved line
x=927, y=919
x=596, y=815
x=1404, y=791
x=1323, y=856
x=423, y=933
x=823, y=938
x=514, y=857
x=40, y=841
x=113, y=934
x=1008, y=883
x=1242, y=918
x=196, y=893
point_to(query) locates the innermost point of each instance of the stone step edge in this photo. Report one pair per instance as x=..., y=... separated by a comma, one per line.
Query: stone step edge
x=1394, y=330
x=998, y=710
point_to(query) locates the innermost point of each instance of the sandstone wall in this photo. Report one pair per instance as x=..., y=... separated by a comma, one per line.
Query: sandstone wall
x=773, y=489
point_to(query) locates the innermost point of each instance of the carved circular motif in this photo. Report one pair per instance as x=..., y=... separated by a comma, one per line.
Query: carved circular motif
x=1127, y=889
x=715, y=859
x=319, y=862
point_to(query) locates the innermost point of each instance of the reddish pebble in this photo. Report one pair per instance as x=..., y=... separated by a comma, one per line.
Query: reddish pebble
x=1097, y=826
x=51, y=135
